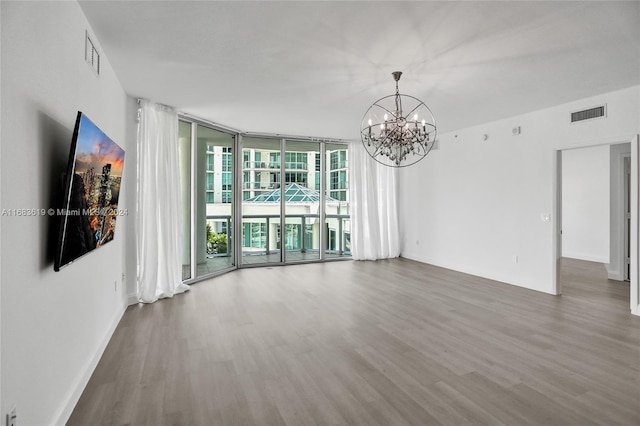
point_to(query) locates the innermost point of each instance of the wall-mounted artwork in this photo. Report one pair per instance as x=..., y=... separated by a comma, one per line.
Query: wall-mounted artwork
x=91, y=193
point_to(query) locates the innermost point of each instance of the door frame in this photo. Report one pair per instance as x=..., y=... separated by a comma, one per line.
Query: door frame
x=625, y=271
x=635, y=207
x=556, y=248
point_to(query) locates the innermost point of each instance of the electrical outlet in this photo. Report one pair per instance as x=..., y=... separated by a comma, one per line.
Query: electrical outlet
x=514, y=258
x=12, y=417
x=115, y=285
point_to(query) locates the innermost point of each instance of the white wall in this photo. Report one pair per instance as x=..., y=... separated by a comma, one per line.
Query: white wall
x=54, y=324
x=585, y=203
x=473, y=205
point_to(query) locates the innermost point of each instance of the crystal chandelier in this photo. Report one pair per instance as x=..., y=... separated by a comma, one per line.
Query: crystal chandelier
x=395, y=138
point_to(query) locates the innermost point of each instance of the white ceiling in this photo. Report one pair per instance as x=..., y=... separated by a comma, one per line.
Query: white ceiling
x=313, y=68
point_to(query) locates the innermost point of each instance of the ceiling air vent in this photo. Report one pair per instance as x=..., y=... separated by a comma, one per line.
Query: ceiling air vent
x=589, y=114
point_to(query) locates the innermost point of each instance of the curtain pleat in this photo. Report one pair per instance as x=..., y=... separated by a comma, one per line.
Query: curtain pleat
x=158, y=215
x=373, y=201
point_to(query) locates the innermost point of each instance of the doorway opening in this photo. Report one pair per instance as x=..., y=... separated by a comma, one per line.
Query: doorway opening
x=595, y=238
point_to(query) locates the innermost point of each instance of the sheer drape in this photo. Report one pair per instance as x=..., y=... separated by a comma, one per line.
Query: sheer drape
x=373, y=198
x=158, y=214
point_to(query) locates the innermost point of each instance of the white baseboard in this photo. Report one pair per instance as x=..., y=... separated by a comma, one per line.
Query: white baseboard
x=523, y=282
x=615, y=275
x=586, y=256
x=75, y=394
x=132, y=299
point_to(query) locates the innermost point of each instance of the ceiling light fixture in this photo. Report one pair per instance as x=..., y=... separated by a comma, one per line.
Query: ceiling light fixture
x=394, y=138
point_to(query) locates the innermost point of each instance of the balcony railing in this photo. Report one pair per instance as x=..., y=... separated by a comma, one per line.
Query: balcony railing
x=335, y=165
x=295, y=165
x=260, y=186
x=339, y=185
x=296, y=238
x=289, y=165
x=258, y=165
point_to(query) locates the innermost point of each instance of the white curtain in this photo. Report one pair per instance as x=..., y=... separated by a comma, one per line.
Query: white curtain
x=158, y=214
x=373, y=198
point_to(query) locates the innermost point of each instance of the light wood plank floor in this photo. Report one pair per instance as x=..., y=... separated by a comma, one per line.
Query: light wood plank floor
x=373, y=343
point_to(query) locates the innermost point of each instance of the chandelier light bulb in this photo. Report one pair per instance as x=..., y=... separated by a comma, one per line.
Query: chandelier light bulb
x=369, y=122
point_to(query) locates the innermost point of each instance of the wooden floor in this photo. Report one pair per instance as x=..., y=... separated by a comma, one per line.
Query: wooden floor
x=390, y=342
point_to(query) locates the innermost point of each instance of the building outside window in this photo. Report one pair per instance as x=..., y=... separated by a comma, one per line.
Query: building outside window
x=254, y=234
x=210, y=188
x=337, y=184
x=302, y=169
x=226, y=159
x=274, y=160
x=296, y=177
x=226, y=187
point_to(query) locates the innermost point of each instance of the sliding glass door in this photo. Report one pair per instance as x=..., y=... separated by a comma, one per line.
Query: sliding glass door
x=302, y=201
x=184, y=147
x=207, y=176
x=261, y=201
x=283, y=204
x=214, y=185
x=291, y=203
x=337, y=219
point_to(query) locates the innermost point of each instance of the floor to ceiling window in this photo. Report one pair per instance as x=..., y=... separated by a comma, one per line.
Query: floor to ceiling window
x=214, y=217
x=292, y=200
x=301, y=202
x=206, y=170
x=337, y=222
x=184, y=152
x=261, y=203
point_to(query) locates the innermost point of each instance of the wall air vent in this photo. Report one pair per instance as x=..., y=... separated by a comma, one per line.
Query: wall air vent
x=91, y=54
x=589, y=114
